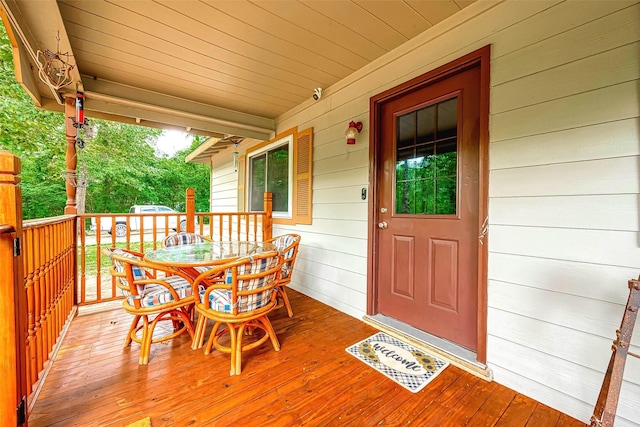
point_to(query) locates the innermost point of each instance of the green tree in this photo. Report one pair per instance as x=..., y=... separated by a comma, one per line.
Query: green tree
x=121, y=164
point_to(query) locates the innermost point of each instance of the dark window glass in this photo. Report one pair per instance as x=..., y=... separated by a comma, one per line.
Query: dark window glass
x=278, y=177
x=427, y=160
x=258, y=170
x=269, y=172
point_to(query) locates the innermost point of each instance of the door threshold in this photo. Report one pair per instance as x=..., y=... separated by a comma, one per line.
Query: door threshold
x=456, y=355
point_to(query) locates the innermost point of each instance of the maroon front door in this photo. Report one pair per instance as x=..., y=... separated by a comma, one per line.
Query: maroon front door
x=427, y=207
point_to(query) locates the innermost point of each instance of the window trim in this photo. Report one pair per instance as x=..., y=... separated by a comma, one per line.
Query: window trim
x=281, y=141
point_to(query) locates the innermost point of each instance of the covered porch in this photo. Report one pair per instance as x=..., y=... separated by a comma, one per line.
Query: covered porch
x=312, y=381
x=553, y=200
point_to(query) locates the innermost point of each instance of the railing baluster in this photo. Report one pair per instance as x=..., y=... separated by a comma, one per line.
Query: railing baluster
x=30, y=273
x=49, y=269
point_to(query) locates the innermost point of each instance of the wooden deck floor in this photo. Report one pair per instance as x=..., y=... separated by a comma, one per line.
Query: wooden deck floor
x=311, y=381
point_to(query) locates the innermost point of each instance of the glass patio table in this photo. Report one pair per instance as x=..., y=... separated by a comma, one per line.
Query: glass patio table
x=189, y=257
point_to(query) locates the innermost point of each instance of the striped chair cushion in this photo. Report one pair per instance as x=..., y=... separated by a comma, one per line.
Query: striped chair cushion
x=158, y=294
x=183, y=239
x=138, y=272
x=220, y=299
x=281, y=243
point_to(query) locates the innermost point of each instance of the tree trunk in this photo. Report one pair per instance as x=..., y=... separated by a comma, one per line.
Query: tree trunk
x=81, y=189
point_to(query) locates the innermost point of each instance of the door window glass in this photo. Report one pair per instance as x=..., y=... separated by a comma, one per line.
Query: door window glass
x=426, y=179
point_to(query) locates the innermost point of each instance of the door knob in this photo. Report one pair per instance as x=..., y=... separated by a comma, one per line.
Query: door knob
x=383, y=224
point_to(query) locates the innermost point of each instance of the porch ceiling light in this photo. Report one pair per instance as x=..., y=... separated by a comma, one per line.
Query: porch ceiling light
x=352, y=132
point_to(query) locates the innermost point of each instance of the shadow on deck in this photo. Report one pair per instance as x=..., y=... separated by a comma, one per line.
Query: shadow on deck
x=311, y=381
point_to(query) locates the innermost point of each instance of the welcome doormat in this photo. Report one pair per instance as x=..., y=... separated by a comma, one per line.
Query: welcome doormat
x=413, y=369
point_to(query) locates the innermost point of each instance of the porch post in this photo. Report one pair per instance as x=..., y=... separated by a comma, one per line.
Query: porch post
x=13, y=305
x=191, y=210
x=267, y=225
x=71, y=158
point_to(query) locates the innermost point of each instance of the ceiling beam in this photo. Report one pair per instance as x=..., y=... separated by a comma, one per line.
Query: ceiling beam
x=114, y=98
x=24, y=75
x=37, y=29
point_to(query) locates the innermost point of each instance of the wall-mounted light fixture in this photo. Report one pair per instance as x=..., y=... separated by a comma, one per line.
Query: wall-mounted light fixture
x=352, y=131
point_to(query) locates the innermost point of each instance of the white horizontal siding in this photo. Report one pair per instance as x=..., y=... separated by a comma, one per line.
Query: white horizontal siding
x=595, y=281
x=563, y=209
x=614, y=66
x=587, y=41
x=598, y=106
x=564, y=185
x=599, y=212
x=224, y=186
x=562, y=380
x=600, y=141
x=616, y=248
x=604, y=176
x=582, y=348
x=340, y=211
x=598, y=318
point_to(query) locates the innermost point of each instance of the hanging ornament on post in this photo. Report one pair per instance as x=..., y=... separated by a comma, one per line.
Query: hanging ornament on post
x=79, y=110
x=236, y=154
x=80, y=122
x=54, y=68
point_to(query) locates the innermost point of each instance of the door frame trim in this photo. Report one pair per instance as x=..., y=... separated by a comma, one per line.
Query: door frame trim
x=479, y=57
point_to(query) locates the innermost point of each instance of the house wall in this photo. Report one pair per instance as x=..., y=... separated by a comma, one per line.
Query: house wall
x=564, y=188
x=224, y=184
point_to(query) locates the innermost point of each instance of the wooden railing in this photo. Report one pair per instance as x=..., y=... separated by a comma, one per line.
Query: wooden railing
x=48, y=250
x=45, y=272
x=143, y=232
x=13, y=381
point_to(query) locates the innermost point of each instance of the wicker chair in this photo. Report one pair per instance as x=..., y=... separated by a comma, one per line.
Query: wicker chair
x=152, y=299
x=237, y=296
x=287, y=245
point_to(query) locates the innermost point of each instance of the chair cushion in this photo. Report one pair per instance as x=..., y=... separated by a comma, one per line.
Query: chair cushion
x=183, y=239
x=138, y=272
x=220, y=300
x=281, y=243
x=158, y=294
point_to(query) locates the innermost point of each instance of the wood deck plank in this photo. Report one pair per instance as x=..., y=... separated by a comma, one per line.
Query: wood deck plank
x=543, y=416
x=311, y=381
x=493, y=408
x=518, y=412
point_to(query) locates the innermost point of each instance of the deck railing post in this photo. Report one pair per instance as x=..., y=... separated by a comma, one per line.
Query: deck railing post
x=13, y=305
x=71, y=159
x=267, y=225
x=191, y=210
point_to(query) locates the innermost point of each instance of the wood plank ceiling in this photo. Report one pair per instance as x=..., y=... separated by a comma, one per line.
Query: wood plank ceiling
x=220, y=67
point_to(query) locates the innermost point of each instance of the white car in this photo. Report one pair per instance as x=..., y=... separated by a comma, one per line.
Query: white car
x=134, y=221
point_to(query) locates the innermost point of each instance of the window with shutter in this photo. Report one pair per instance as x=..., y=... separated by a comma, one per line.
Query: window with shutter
x=282, y=166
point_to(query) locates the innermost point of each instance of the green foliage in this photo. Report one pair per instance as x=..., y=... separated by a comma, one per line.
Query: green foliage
x=121, y=162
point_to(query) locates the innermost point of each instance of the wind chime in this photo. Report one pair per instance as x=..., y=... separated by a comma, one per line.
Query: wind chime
x=54, y=68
